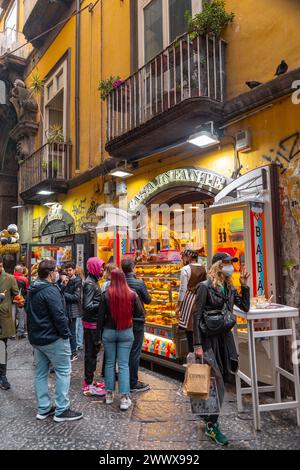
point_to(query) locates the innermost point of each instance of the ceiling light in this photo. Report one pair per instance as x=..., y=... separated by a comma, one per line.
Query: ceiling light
x=17, y=207
x=203, y=139
x=49, y=204
x=45, y=193
x=120, y=173
x=178, y=210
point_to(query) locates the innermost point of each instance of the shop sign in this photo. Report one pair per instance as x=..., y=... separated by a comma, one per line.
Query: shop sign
x=36, y=228
x=257, y=220
x=196, y=177
x=55, y=213
x=80, y=255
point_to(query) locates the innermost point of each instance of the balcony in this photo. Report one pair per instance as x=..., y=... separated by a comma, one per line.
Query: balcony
x=10, y=40
x=167, y=100
x=40, y=15
x=47, y=170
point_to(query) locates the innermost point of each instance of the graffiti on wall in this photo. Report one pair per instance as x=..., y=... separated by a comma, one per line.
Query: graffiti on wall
x=287, y=157
x=287, y=150
x=84, y=211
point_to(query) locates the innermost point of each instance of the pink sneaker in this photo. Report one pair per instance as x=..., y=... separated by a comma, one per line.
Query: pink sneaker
x=92, y=391
x=99, y=384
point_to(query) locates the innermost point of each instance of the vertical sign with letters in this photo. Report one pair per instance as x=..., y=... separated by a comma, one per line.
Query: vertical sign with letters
x=258, y=244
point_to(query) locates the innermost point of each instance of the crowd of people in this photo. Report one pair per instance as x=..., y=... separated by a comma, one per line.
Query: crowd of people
x=66, y=312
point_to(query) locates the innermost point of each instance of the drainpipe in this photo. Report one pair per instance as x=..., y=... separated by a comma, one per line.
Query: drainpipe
x=101, y=78
x=77, y=87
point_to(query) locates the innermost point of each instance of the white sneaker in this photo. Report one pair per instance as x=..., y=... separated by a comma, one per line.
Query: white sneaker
x=109, y=398
x=125, y=403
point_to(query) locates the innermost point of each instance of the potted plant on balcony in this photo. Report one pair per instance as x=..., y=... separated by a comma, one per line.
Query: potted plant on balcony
x=108, y=85
x=211, y=21
x=55, y=135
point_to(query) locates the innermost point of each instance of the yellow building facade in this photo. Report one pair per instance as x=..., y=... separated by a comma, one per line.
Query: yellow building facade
x=112, y=42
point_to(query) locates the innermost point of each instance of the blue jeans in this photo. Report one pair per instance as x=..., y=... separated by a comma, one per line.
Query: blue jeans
x=117, y=343
x=21, y=317
x=73, y=342
x=59, y=355
x=135, y=353
x=79, y=333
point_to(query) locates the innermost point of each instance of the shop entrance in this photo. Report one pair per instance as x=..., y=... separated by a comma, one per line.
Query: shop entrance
x=159, y=264
x=180, y=200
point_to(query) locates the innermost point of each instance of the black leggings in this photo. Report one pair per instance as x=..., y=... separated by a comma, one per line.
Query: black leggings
x=92, y=348
x=190, y=339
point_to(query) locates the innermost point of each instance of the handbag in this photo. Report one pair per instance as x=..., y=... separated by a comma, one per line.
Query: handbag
x=216, y=322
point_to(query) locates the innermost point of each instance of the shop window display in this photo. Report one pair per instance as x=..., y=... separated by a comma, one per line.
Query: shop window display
x=61, y=254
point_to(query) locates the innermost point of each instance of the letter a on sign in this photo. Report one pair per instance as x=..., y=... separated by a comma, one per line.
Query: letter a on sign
x=258, y=249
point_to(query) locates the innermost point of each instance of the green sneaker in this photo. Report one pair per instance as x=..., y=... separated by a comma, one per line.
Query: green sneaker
x=213, y=431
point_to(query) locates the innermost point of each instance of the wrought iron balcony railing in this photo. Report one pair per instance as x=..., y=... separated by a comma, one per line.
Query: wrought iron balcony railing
x=10, y=40
x=188, y=68
x=48, y=167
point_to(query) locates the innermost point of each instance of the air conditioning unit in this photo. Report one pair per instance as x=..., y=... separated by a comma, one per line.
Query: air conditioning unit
x=121, y=188
x=109, y=187
x=243, y=141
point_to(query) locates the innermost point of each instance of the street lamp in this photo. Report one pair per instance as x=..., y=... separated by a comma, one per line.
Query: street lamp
x=45, y=193
x=121, y=171
x=203, y=139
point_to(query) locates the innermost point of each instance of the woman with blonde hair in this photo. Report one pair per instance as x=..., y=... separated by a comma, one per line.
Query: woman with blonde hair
x=213, y=321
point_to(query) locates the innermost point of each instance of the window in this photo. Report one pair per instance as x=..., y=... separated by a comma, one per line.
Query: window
x=153, y=29
x=177, y=10
x=160, y=22
x=2, y=92
x=55, y=106
x=10, y=24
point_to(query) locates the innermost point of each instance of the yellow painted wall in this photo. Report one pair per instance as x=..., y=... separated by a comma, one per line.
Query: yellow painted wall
x=268, y=128
x=263, y=33
x=115, y=58
x=76, y=202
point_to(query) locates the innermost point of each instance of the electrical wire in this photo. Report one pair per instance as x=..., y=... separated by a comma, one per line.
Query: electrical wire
x=91, y=6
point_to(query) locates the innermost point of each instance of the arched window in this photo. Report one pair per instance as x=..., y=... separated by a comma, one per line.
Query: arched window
x=2, y=92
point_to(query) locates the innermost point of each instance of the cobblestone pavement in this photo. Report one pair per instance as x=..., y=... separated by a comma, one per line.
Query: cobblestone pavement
x=159, y=419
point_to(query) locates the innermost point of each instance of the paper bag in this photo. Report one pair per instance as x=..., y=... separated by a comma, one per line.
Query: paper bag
x=207, y=404
x=197, y=380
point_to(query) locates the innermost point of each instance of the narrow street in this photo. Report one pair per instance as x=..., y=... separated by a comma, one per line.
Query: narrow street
x=160, y=419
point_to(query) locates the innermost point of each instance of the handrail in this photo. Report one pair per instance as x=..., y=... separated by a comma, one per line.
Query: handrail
x=49, y=162
x=187, y=68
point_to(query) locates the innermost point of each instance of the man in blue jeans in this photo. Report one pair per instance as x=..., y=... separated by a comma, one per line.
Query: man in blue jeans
x=138, y=285
x=49, y=334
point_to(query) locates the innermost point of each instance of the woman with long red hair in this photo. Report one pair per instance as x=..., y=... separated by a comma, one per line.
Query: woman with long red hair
x=118, y=307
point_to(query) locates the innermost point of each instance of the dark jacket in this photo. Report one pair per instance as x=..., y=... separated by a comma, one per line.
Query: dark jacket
x=72, y=293
x=105, y=319
x=211, y=298
x=91, y=299
x=46, y=314
x=140, y=288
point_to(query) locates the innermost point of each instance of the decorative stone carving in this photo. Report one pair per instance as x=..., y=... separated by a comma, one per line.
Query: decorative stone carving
x=23, y=101
x=26, y=109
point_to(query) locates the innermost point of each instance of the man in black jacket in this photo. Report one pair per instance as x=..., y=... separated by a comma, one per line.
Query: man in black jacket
x=138, y=285
x=49, y=334
x=71, y=288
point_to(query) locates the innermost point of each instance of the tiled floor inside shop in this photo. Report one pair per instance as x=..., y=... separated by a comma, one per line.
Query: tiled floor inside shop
x=159, y=419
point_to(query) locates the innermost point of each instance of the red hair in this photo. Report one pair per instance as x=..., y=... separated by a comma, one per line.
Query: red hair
x=120, y=300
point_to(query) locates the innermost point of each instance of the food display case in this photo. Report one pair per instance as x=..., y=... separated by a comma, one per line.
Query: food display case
x=35, y=253
x=164, y=343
